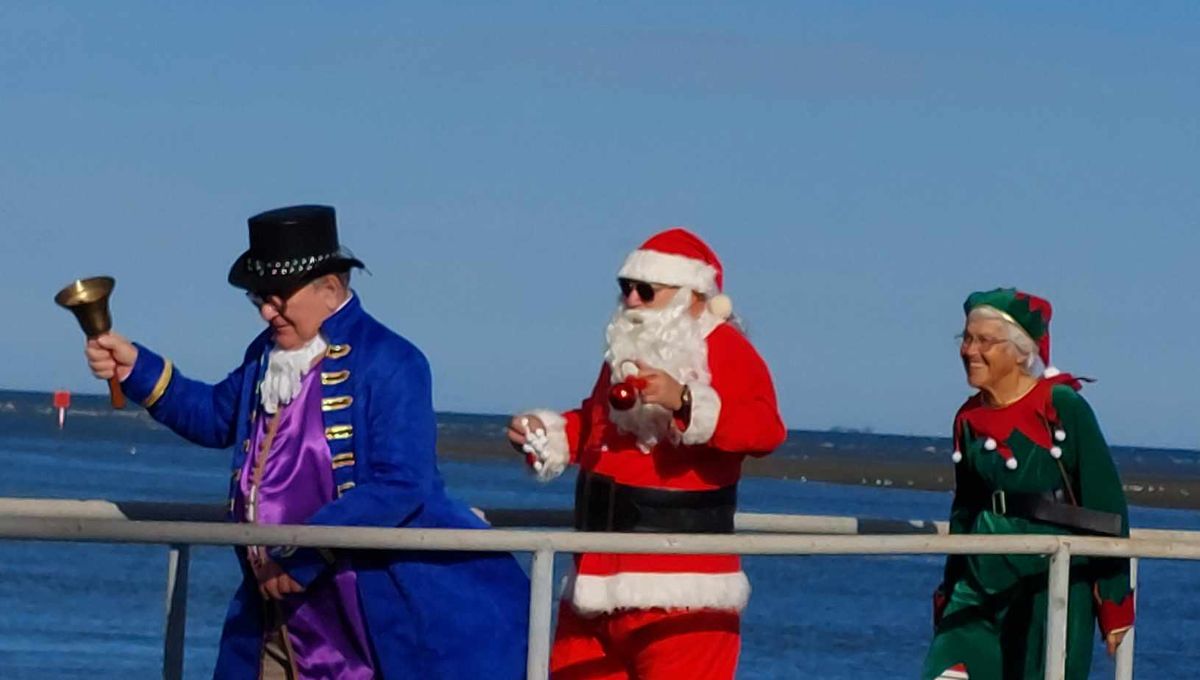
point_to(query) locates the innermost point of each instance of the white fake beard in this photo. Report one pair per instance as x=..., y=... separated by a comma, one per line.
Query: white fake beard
x=285, y=372
x=669, y=339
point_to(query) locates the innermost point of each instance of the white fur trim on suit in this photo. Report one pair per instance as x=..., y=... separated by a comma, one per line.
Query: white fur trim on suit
x=556, y=454
x=652, y=266
x=706, y=411
x=592, y=595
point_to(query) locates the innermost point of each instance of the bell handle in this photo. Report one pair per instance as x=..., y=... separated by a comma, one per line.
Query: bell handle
x=116, y=396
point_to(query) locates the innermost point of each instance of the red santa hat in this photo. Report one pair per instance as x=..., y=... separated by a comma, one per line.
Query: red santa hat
x=677, y=257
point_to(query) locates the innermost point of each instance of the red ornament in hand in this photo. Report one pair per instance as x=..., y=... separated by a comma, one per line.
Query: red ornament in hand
x=624, y=395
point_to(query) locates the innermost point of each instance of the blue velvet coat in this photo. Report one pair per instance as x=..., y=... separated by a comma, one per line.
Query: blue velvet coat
x=428, y=614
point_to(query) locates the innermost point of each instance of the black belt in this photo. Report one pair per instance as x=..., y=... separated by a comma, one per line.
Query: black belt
x=1053, y=508
x=602, y=504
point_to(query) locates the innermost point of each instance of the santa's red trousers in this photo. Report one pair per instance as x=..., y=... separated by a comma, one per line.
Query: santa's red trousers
x=646, y=644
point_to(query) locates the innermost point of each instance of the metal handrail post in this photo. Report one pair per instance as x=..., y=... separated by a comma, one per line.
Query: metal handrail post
x=1124, y=661
x=176, y=621
x=541, y=596
x=1058, y=594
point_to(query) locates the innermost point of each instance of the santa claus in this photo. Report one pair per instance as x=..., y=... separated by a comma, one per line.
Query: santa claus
x=681, y=400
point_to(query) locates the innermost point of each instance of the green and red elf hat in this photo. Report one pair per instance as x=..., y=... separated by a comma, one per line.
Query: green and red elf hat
x=1028, y=312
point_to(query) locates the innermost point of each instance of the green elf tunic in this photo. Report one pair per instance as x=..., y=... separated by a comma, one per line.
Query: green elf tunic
x=991, y=609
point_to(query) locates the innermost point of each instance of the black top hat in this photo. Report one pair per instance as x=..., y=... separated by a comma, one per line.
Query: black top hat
x=289, y=247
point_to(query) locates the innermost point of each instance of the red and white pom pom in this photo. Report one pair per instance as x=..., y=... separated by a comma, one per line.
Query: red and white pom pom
x=955, y=672
x=720, y=306
x=1051, y=372
x=1060, y=435
x=990, y=444
x=1011, y=463
x=956, y=456
x=1056, y=452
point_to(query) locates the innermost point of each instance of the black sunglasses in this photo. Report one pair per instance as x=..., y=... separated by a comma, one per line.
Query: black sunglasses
x=645, y=291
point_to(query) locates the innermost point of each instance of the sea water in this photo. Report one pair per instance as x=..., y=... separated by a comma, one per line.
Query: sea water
x=96, y=610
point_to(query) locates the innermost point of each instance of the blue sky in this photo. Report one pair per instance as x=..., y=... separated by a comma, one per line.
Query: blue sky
x=860, y=167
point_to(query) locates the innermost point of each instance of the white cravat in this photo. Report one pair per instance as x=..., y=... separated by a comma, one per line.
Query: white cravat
x=285, y=372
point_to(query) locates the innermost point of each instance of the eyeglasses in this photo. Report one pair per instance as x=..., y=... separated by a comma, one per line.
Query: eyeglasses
x=277, y=300
x=645, y=291
x=965, y=340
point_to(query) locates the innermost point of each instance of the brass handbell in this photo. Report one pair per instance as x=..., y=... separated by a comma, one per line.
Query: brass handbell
x=87, y=299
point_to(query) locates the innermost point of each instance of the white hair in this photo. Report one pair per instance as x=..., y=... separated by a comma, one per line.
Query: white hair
x=1022, y=346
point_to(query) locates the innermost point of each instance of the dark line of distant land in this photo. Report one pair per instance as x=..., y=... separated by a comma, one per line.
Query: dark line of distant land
x=1166, y=478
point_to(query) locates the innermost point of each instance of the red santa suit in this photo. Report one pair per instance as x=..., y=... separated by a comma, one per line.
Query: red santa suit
x=684, y=481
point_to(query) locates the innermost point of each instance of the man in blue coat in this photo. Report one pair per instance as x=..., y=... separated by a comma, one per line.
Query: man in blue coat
x=331, y=422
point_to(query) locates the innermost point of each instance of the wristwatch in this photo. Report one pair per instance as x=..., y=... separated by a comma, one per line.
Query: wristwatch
x=685, y=400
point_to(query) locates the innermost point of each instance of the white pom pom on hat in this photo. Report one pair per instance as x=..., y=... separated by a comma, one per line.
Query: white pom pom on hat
x=1011, y=463
x=720, y=306
x=956, y=456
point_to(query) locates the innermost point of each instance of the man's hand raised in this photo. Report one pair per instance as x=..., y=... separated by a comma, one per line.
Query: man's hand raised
x=110, y=354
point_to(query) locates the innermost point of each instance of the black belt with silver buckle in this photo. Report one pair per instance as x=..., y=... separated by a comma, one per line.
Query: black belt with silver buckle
x=602, y=504
x=1053, y=508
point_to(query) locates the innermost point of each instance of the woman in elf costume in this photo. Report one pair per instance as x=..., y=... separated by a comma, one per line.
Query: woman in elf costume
x=1029, y=459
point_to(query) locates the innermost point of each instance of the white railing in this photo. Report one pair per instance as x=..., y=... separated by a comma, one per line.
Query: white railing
x=180, y=526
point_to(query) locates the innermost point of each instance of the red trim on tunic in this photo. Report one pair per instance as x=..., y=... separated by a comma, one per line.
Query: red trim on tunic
x=1033, y=415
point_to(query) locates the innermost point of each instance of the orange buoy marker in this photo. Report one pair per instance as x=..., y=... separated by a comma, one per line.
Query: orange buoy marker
x=62, y=402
